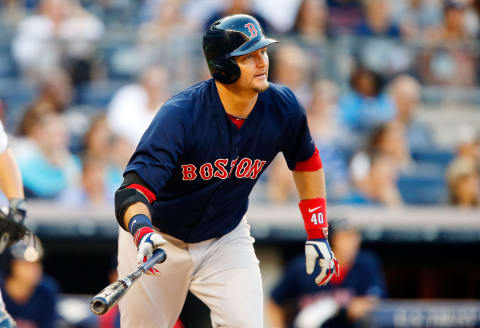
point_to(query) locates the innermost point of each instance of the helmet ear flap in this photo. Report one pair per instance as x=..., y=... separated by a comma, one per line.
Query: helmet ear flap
x=226, y=70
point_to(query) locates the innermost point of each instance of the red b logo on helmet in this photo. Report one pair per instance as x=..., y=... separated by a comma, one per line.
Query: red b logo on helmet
x=252, y=29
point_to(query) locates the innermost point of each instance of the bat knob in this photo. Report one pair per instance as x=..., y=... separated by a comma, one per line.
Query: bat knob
x=98, y=305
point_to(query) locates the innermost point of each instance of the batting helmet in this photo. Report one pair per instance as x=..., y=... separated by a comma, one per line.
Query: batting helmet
x=231, y=36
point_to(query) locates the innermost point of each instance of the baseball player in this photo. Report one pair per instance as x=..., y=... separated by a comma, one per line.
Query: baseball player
x=11, y=223
x=186, y=187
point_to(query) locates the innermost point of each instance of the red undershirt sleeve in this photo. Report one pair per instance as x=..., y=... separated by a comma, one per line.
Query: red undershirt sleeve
x=314, y=163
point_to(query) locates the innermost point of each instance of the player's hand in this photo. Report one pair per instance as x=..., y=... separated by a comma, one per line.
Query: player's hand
x=17, y=210
x=318, y=250
x=11, y=223
x=148, y=241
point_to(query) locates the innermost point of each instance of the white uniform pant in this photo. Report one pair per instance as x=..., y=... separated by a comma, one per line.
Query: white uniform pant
x=222, y=272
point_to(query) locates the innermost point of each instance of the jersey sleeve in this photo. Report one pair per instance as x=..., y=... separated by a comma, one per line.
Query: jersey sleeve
x=299, y=145
x=3, y=139
x=160, y=148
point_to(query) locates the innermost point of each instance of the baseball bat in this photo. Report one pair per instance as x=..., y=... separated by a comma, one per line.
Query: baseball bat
x=110, y=295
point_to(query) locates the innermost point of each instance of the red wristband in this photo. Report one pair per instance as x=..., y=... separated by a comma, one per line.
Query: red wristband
x=140, y=233
x=314, y=213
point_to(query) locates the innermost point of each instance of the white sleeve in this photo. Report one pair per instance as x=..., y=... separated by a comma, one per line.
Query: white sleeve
x=3, y=139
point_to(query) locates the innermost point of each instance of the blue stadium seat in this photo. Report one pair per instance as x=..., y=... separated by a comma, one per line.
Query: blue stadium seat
x=439, y=157
x=17, y=95
x=120, y=60
x=8, y=67
x=425, y=186
x=97, y=94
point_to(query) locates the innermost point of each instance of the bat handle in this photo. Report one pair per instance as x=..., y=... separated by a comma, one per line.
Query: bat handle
x=158, y=256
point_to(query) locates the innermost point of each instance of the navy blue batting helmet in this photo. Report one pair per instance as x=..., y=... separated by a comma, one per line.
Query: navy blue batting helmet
x=228, y=37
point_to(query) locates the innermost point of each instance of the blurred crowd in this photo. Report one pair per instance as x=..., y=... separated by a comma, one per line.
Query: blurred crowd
x=80, y=80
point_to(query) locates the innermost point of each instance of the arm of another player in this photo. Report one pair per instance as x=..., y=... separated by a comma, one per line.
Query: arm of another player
x=10, y=178
x=311, y=190
x=11, y=184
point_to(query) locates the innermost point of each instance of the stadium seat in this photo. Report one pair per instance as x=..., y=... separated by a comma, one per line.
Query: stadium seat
x=17, y=95
x=439, y=157
x=425, y=186
x=97, y=94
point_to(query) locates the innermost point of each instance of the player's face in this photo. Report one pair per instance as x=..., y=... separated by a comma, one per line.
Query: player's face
x=254, y=70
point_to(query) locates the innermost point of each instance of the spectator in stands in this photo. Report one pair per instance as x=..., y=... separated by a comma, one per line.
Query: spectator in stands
x=92, y=189
x=463, y=173
x=55, y=90
x=80, y=33
x=29, y=295
x=98, y=138
x=104, y=159
x=166, y=38
x=418, y=17
x=405, y=92
x=3, y=108
x=346, y=301
x=463, y=179
x=329, y=136
x=366, y=105
x=166, y=23
x=133, y=107
x=239, y=7
x=344, y=16
x=450, y=57
x=390, y=139
x=120, y=152
x=280, y=187
x=374, y=178
x=101, y=144
x=291, y=66
x=378, y=21
x=310, y=33
x=311, y=21
x=455, y=25
x=468, y=143
x=64, y=34
x=47, y=166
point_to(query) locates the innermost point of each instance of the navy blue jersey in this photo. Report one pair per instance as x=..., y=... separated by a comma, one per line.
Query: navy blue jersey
x=201, y=167
x=297, y=289
x=39, y=310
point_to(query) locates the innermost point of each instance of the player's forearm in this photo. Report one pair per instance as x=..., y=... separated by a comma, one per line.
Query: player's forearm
x=311, y=189
x=10, y=177
x=310, y=184
x=134, y=209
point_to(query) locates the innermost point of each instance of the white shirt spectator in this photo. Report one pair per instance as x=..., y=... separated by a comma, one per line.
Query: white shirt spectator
x=128, y=113
x=36, y=35
x=40, y=41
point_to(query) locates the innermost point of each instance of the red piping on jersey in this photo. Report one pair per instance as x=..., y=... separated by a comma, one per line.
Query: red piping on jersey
x=144, y=190
x=312, y=164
